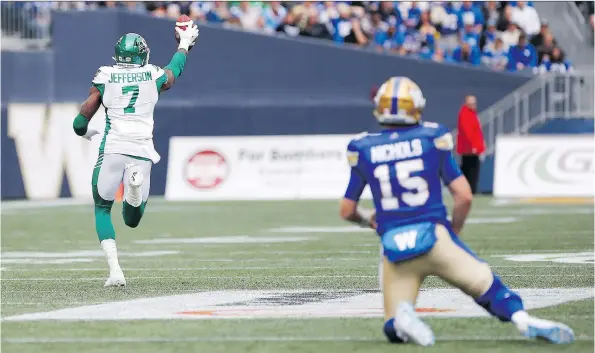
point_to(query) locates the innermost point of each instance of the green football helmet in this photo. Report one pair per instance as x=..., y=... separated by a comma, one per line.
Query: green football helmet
x=132, y=49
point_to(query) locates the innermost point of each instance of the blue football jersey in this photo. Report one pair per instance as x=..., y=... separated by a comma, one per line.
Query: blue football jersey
x=405, y=168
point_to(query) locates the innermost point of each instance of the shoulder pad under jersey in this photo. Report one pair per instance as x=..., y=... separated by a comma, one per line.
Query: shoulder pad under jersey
x=430, y=124
x=360, y=136
x=444, y=142
x=156, y=71
x=101, y=76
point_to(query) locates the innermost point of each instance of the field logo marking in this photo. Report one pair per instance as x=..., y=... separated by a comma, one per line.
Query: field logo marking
x=254, y=304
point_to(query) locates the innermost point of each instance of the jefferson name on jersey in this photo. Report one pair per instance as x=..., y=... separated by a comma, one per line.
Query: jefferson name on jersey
x=130, y=77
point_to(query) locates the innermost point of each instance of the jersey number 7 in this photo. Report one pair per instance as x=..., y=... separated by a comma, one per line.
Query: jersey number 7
x=403, y=169
x=134, y=90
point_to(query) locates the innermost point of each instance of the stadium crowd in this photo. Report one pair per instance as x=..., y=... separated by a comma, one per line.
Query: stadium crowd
x=498, y=34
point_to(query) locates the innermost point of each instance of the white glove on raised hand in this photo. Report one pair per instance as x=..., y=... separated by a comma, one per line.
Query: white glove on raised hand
x=90, y=133
x=187, y=36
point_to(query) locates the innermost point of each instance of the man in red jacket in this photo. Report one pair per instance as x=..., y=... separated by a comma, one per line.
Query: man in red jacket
x=470, y=143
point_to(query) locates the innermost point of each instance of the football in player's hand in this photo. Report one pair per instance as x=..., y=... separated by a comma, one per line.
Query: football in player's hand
x=182, y=23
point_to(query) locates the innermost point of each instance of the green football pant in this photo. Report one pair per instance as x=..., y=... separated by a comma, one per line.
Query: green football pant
x=109, y=172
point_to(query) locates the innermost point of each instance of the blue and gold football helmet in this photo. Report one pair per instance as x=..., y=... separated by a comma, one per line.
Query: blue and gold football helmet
x=399, y=101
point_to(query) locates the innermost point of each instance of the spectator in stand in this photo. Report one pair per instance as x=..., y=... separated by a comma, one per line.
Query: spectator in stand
x=489, y=36
x=173, y=11
x=555, y=62
x=390, y=14
x=389, y=39
x=546, y=47
x=473, y=14
x=342, y=24
x=314, y=28
x=289, y=26
x=470, y=34
x=449, y=28
x=135, y=6
x=327, y=11
x=495, y=55
x=470, y=142
x=505, y=20
x=537, y=40
x=526, y=17
x=439, y=56
x=427, y=29
x=347, y=27
x=412, y=42
x=248, y=15
x=521, y=56
x=198, y=10
x=491, y=12
x=413, y=16
x=219, y=13
x=511, y=36
x=274, y=13
x=467, y=54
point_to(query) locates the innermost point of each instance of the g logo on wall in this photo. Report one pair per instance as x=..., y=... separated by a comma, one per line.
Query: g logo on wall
x=206, y=169
x=544, y=166
x=47, y=148
x=553, y=165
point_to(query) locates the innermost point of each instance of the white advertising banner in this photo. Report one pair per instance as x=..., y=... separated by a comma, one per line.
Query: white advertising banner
x=257, y=167
x=544, y=166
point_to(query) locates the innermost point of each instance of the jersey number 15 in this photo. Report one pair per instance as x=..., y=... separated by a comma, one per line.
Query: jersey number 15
x=403, y=169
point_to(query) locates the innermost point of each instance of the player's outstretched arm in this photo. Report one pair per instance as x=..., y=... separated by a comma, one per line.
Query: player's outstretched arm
x=174, y=69
x=462, y=196
x=88, y=110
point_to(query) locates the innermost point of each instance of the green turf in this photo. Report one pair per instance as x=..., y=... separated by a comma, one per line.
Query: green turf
x=323, y=261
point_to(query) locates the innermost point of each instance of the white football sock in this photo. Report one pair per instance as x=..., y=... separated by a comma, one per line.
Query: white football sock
x=520, y=319
x=111, y=254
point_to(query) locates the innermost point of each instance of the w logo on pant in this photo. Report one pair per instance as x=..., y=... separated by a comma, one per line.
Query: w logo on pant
x=406, y=241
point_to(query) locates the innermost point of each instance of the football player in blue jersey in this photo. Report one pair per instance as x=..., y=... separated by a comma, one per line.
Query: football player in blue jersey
x=405, y=165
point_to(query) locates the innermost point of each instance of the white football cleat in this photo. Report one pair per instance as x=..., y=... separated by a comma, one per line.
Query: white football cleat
x=550, y=331
x=408, y=322
x=115, y=280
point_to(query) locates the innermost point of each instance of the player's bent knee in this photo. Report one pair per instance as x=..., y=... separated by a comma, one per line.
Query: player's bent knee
x=131, y=223
x=390, y=332
x=481, y=281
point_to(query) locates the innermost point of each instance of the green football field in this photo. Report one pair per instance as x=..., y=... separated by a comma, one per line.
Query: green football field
x=278, y=276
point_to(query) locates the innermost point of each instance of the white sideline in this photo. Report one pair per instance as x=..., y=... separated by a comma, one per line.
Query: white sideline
x=73, y=279
x=249, y=268
x=254, y=339
x=28, y=204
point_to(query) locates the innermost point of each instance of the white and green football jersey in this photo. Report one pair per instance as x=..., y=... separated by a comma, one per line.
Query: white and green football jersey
x=129, y=95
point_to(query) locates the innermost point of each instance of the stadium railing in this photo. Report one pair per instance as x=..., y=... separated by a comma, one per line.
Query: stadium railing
x=549, y=96
x=24, y=26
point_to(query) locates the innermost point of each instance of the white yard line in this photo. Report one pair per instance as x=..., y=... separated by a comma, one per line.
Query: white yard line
x=250, y=268
x=28, y=340
x=73, y=279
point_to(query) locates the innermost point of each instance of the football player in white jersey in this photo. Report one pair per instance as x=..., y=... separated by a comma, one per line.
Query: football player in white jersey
x=129, y=91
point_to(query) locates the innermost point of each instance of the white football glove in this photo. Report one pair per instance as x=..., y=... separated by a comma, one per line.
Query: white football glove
x=187, y=36
x=90, y=133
